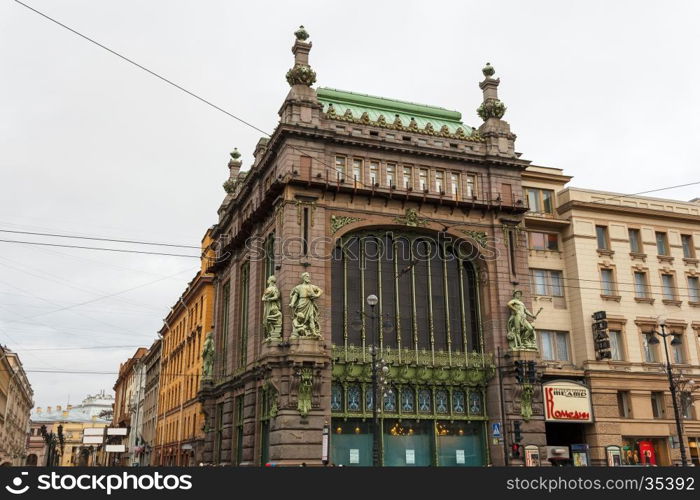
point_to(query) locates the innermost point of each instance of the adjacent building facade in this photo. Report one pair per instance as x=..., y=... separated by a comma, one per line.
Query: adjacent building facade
x=180, y=422
x=150, y=405
x=125, y=387
x=15, y=405
x=369, y=196
x=635, y=259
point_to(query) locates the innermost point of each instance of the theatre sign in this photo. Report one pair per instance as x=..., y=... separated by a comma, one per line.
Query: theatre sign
x=567, y=401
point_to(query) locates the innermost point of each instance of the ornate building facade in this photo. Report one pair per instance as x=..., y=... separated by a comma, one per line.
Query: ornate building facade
x=355, y=195
x=15, y=405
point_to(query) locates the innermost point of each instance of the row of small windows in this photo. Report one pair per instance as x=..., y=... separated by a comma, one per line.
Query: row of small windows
x=669, y=290
x=358, y=398
x=406, y=177
x=636, y=247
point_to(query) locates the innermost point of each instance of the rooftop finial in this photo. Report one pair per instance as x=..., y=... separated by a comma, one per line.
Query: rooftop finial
x=301, y=33
x=488, y=70
x=491, y=107
x=235, y=154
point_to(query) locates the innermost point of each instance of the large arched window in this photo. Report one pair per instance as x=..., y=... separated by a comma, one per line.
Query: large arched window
x=427, y=291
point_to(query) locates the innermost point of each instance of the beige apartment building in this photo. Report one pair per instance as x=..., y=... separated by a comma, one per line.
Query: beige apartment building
x=635, y=258
x=15, y=404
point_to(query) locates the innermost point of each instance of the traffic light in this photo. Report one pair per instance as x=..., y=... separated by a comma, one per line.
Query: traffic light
x=515, y=450
x=519, y=371
x=517, y=436
x=531, y=374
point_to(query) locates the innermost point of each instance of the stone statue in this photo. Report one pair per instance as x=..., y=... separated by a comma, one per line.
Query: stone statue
x=272, y=311
x=521, y=333
x=305, y=309
x=208, y=357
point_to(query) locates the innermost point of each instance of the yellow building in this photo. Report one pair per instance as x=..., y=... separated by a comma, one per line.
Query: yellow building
x=179, y=431
x=635, y=259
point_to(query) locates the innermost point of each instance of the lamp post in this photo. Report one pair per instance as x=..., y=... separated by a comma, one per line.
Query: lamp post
x=504, y=424
x=372, y=301
x=671, y=383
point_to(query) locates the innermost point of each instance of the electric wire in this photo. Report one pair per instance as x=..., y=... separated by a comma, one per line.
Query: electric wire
x=96, y=238
x=119, y=250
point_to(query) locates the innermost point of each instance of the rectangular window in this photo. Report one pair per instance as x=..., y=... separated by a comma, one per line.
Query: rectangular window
x=554, y=345
x=635, y=241
x=243, y=294
x=661, y=243
x=601, y=234
x=454, y=184
x=357, y=171
x=391, y=174
x=340, y=167
x=374, y=172
x=616, y=350
x=658, y=405
x=649, y=350
x=693, y=289
x=677, y=349
x=225, y=303
x=540, y=200
x=623, y=404
x=688, y=246
x=219, y=430
x=668, y=287
x=543, y=241
x=238, y=415
x=471, y=186
x=423, y=179
x=547, y=282
x=607, y=281
x=640, y=285
x=407, y=178
x=440, y=181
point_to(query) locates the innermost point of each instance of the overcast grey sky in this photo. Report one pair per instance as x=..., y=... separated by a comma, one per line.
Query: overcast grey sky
x=90, y=145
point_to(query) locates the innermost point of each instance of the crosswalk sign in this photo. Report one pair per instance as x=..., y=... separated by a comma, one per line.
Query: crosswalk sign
x=496, y=429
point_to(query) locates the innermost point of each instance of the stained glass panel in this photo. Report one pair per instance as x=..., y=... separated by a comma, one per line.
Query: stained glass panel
x=354, y=398
x=408, y=403
x=458, y=401
x=336, y=397
x=369, y=398
x=424, y=402
x=441, y=401
x=390, y=401
x=475, y=403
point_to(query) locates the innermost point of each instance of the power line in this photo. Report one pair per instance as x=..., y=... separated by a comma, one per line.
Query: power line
x=78, y=348
x=99, y=248
x=95, y=238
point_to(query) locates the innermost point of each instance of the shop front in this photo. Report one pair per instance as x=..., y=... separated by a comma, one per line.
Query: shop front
x=645, y=451
x=568, y=409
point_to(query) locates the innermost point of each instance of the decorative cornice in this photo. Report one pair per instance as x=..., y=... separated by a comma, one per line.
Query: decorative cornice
x=397, y=124
x=411, y=219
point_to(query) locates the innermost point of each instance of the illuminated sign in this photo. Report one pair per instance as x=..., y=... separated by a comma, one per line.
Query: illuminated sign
x=567, y=401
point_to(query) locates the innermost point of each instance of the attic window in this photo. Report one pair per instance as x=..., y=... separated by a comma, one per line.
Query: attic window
x=374, y=133
x=454, y=145
x=406, y=138
x=340, y=127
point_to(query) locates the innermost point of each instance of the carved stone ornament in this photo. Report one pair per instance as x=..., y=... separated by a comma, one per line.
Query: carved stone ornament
x=301, y=34
x=301, y=74
x=492, y=108
x=208, y=357
x=411, y=218
x=526, y=402
x=272, y=311
x=303, y=302
x=340, y=221
x=304, y=395
x=478, y=236
x=230, y=185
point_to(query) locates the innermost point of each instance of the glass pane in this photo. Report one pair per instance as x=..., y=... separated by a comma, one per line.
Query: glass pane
x=424, y=401
x=408, y=443
x=369, y=398
x=562, y=346
x=693, y=292
x=634, y=241
x=459, y=444
x=533, y=200
x=546, y=341
x=354, y=398
x=557, y=286
x=537, y=241
x=475, y=406
x=667, y=281
x=408, y=404
x=601, y=235
x=607, y=282
x=640, y=287
x=351, y=443
x=661, y=243
x=615, y=345
x=390, y=401
x=687, y=246
x=547, y=205
x=458, y=401
x=336, y=397
x=540, y=282
x=441, y=401
x=552, y=242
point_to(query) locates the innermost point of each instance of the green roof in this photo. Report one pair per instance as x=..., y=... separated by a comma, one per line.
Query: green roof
x=344, y=102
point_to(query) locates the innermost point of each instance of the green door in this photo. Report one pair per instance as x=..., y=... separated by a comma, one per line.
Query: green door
x=351, y=442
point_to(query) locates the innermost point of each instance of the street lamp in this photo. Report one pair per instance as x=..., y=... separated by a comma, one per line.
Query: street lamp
x=671, y=383
x=372, y=301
